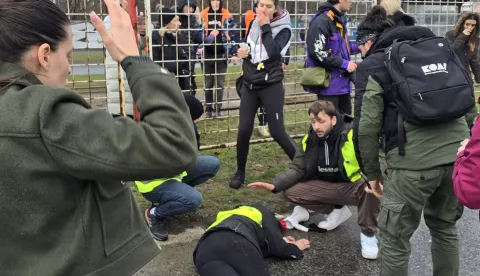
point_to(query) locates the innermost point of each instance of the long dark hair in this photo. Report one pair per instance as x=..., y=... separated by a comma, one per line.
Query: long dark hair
x=474, y=36
x=28, y=23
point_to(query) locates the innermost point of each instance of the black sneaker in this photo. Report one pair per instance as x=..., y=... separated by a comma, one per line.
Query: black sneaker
x=219, y=113
x=238, y=180
x=208, y=114
x=158, y=226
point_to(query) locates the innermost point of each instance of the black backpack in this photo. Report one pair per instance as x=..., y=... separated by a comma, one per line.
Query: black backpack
x=429, y=84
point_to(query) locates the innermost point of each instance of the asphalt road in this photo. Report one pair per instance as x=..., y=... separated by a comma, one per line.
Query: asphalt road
x=333, y=253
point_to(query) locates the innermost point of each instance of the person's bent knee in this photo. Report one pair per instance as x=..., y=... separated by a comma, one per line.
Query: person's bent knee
x=213, y=165
x=194, y=200
x=291, y=195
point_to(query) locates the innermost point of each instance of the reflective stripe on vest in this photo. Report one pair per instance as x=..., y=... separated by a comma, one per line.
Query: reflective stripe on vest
x=148, y=185
x=350, y=162
x=246, y=211
x=304, y=143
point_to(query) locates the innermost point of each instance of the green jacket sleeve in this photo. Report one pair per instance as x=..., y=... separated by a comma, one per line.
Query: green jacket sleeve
x=367, y=126
x=292, y=175
x=90, y=144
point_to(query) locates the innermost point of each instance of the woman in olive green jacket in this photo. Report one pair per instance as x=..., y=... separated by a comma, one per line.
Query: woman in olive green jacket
x=66, y=208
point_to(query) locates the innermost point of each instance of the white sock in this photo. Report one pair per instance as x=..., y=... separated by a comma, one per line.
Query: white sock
x=152, y=211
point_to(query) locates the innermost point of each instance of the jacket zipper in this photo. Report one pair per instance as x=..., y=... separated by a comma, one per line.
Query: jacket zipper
x=327, y=161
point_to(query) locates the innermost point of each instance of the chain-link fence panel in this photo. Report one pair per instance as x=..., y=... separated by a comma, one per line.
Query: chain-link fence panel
x=176, y=37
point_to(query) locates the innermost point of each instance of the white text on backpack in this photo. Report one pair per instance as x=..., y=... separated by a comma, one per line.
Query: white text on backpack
x=435, y=68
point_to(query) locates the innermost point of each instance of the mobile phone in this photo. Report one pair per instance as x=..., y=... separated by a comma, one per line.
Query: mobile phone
x=244, y=46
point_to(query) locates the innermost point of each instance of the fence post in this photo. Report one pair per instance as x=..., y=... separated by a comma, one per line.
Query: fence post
x=134, y=19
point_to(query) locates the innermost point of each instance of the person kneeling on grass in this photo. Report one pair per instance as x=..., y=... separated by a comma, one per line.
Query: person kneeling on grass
x=237, y=242
x=324, y=176
x=176, y=195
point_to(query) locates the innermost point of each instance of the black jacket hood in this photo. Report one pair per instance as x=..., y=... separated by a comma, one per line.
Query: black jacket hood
x=402, y=19
x=401, y=33
x=329, y=7
x=183, y=3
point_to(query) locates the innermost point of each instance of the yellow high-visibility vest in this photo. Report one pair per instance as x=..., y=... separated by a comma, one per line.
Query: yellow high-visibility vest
x=350, y=162
x=246, y=211
x=148, y=185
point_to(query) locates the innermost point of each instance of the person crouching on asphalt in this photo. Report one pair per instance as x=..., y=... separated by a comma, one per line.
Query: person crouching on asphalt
x=176, y=195
x=239, y=240
x=324, y=177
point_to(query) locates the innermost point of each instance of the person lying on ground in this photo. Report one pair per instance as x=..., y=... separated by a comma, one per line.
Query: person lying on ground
x=324, y=177
x=239, y=240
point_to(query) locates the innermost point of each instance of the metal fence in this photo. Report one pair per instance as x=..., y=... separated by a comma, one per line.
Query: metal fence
x=95, y=77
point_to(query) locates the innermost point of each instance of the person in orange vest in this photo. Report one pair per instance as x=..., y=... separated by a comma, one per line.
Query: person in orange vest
x=214, y=18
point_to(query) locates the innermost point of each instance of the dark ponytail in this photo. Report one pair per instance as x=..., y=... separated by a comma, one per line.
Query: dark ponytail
x=28, y=23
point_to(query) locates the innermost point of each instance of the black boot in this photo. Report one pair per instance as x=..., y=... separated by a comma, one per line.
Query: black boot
x=209, y=111
x=158, y=226
x=238, y=180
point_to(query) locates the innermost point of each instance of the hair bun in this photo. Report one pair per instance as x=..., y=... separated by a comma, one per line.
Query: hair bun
x=376, y=20
x=378, y=12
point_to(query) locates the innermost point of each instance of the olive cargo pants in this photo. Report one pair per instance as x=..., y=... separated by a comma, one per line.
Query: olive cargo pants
x=406, y=194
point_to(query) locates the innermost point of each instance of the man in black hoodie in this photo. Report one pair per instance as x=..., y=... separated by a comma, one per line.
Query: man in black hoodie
x=324, y=176
x=192, y=33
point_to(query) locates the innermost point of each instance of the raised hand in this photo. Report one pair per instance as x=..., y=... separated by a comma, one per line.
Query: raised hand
x=120, y=41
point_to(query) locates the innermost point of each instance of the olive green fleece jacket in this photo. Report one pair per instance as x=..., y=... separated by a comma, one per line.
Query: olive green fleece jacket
x=65, y=206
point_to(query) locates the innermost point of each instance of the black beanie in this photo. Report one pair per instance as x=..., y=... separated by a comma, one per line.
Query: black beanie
x=165, y=17
x=195, y=106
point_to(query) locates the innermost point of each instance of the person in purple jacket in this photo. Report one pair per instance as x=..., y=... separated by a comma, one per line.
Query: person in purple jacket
x=328, y=47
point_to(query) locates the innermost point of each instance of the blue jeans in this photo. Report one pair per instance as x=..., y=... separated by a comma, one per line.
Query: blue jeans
x=175, y=198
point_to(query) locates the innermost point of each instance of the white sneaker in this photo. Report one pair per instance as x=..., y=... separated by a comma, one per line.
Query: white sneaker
x=335, y=218
x=369, y=247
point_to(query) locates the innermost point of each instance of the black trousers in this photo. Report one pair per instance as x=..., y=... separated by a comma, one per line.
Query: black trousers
x=193, y=83
x=226, y=253
x=214, y=83
x=272, y=98
x=341, y=102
